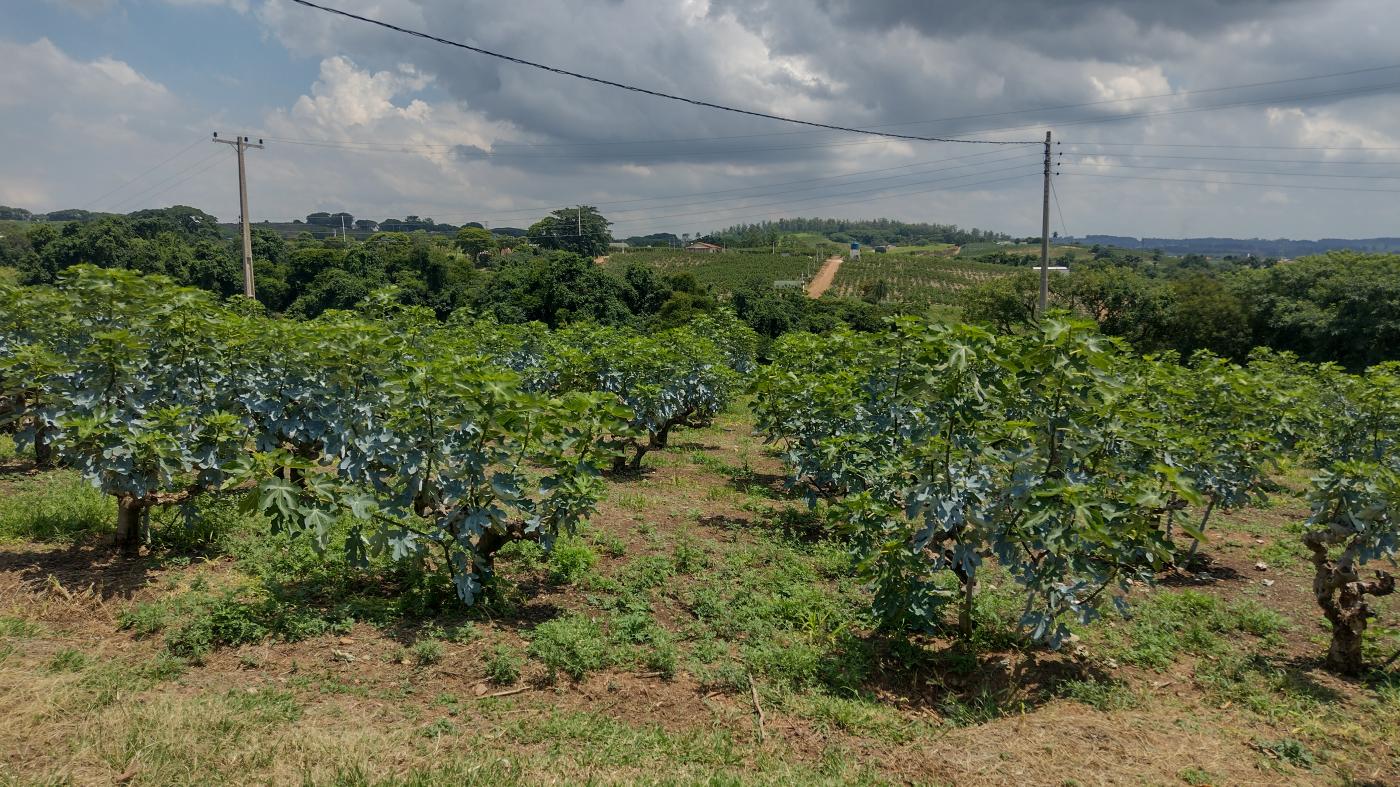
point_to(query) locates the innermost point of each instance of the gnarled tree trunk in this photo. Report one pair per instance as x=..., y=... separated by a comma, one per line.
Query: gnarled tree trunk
x=1341, y=593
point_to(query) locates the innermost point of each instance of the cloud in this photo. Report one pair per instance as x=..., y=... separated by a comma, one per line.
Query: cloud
x=68, y=116
x=396, y=124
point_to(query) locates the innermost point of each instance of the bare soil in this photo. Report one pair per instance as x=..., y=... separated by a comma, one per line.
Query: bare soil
x=822, y=281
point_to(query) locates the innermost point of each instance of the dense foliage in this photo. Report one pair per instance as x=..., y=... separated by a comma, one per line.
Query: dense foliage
x=1071, y=462
x=1342, y=307
x=440, y=441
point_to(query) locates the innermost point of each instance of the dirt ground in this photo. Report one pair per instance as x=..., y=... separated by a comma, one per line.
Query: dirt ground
x=822, y=281
x=87, y=699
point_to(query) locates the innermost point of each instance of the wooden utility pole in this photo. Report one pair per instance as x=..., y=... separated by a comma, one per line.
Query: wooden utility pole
x=240, y=144
x=1045, y=234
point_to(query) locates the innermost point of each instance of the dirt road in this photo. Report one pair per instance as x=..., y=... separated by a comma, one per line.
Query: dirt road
x=822, y=281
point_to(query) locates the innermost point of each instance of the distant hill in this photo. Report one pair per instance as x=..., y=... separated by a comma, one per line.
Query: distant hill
x=1259, y=247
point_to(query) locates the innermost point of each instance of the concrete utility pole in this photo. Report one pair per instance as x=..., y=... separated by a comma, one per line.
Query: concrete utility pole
x=1045, y=234
x=240, y=144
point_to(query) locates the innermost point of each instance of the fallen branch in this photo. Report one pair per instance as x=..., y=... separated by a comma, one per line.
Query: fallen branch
x=753, y=690
x=507, y=692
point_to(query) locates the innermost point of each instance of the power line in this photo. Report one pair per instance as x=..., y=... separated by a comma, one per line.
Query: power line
x=596, y=203
x=893, y=191
x=853, y=183
x=413, y=148
x=636, y=89
x=1349, y=176
x=742, y=208
x=1056, y=197
x=1233, y=183
x=947, y=119
x=1309, y=162
x=93, y=204
x=641, y=215
x=146, y=193
x=1227, y=147
x=212, y=162
x=976, y=184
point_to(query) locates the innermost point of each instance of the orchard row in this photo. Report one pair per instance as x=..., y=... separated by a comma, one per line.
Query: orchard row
x=1072, y=462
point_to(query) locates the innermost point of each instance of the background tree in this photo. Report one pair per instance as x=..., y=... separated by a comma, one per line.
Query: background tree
x=561, y=230
x=472, y=241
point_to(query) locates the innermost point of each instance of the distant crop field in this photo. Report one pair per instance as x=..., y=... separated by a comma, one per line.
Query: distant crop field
x=1061, y=254
x=724, y=271
x=921, y=279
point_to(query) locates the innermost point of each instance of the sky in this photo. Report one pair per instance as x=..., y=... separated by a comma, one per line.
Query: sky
x=1241, y=118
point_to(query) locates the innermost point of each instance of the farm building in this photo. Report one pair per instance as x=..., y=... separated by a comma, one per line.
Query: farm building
x=704, y=248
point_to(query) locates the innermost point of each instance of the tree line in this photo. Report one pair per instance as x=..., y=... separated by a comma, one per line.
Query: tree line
x=550, y=276
x=1341, y=307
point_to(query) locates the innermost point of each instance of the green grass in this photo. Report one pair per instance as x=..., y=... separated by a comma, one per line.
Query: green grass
x=68, y=660
x=57, y=507
x=1102, y=695
x=196, y=622
x=427, y=652
x=1168, y=624
x=18, y=628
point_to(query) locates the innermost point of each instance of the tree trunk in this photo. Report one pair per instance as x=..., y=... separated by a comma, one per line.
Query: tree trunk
x=662, y=436
x=1205, y=520
x=130, y=523
x=43, y=448
x=1348, y=628
x=1341, y=594
x=969, y=590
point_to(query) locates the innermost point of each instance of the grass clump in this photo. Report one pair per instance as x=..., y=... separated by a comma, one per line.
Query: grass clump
x=196, y=623
x=572, y=644
x=571, y=561
x=1197, y=777
x=651, y=644
x=18, y=628
x=427, y=652
x=68, y=660
x=503, y=665
x=1099, y=695
x=647, y=572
